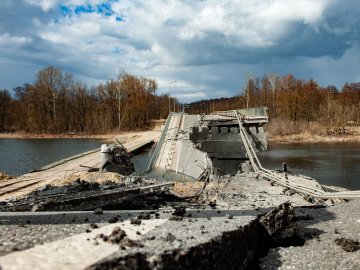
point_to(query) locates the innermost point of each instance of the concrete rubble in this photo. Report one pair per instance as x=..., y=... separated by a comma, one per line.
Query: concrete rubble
x=82, y=195
x=238, y=223
x=115, y=158
x=331, y=237
x=104, y=219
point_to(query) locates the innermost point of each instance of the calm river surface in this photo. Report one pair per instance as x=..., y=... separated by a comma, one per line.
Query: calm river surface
x=332, y=164
x=19, y=156
x=336, y=164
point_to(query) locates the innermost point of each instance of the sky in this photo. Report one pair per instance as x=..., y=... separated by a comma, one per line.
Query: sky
x=195, y=49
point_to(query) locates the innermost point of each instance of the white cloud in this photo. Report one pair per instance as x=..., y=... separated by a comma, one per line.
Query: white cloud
x=8, y=40
x=46, y=5
x=207, y=46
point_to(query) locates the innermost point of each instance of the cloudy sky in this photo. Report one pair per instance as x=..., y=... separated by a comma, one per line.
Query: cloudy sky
x=208, y=47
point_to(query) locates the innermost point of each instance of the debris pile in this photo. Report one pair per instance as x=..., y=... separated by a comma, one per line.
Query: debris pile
x=178, y=214
x=280, y=225
x=116, y=159
x=348, y=245
x=119, y=237
x=84, y=196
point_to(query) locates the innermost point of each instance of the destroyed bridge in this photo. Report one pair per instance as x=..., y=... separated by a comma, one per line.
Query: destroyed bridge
x=223, y=143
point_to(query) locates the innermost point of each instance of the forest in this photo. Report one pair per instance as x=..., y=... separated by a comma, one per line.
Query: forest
x=295, y=105
x=56, y=104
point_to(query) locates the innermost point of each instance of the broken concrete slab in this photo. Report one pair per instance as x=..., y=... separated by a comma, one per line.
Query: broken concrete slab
x=75, y=252
x=320, y=228
x=203, y=241
x=117, y=198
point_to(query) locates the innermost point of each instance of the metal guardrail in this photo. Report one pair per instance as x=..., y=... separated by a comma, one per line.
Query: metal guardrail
x=255, y=163
x=160, y=142
x=225, y=113
x=258, y=114
x=253, y=112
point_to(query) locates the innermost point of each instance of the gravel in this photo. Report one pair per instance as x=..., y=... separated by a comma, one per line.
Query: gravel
x=320, y=231
x=23, y=230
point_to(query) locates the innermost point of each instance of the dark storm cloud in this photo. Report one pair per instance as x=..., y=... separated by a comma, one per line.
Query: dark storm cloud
x=208, y=46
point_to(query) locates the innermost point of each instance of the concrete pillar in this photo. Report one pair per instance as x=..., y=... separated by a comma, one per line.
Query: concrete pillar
x=224, y=130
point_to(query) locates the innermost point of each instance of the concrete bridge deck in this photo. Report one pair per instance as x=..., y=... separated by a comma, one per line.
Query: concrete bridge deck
x=176, y=152
x=62, y=169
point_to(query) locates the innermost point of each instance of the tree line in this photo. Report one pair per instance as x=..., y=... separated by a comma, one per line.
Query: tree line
x=294, y=103
x=55, y=103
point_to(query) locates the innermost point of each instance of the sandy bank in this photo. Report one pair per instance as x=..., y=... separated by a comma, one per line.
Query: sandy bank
x=107, y=136
x=18, y=135
x=312, y=138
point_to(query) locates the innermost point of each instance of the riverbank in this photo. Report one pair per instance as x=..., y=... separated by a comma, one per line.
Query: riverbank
x=306, y=137
x=21, y=135
x=285, y=131
x=155, y=126
x=352, y=135
x=106, y=136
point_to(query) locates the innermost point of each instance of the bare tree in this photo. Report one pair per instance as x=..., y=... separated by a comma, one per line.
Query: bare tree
x=273, y=78
x=5, y=100
x=50, y=79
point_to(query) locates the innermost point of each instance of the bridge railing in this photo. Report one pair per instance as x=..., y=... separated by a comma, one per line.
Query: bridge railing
x=225, y=113
x=258, y=114
x=156, y=153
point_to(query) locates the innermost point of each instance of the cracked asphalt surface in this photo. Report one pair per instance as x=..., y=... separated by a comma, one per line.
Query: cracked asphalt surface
x=320, y=228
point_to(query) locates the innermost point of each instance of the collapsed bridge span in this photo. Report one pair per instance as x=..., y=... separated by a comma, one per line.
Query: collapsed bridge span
x=225, y=142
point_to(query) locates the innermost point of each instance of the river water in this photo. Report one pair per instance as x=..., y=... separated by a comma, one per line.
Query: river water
x=336, y=164
x=19, y=156
x=331, y=164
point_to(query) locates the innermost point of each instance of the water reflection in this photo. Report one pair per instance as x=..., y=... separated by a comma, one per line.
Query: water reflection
x=331, y=164
x=19, y=156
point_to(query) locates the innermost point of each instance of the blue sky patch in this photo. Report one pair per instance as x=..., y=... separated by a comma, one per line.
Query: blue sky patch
x=115, y=50
x=84, y=9
x=103, y=9
x=65, y=11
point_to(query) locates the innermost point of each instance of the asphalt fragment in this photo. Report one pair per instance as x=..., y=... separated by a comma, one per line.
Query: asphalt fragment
x=113, y=220
x=94, y=226
x=98, y=211
x=135, y=221
x=348, y=245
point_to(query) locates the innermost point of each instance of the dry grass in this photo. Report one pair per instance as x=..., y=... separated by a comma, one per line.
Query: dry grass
x=286, y=131
x=310, y=138
x=155, y=125
x=4, y=176
x=22, y=135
